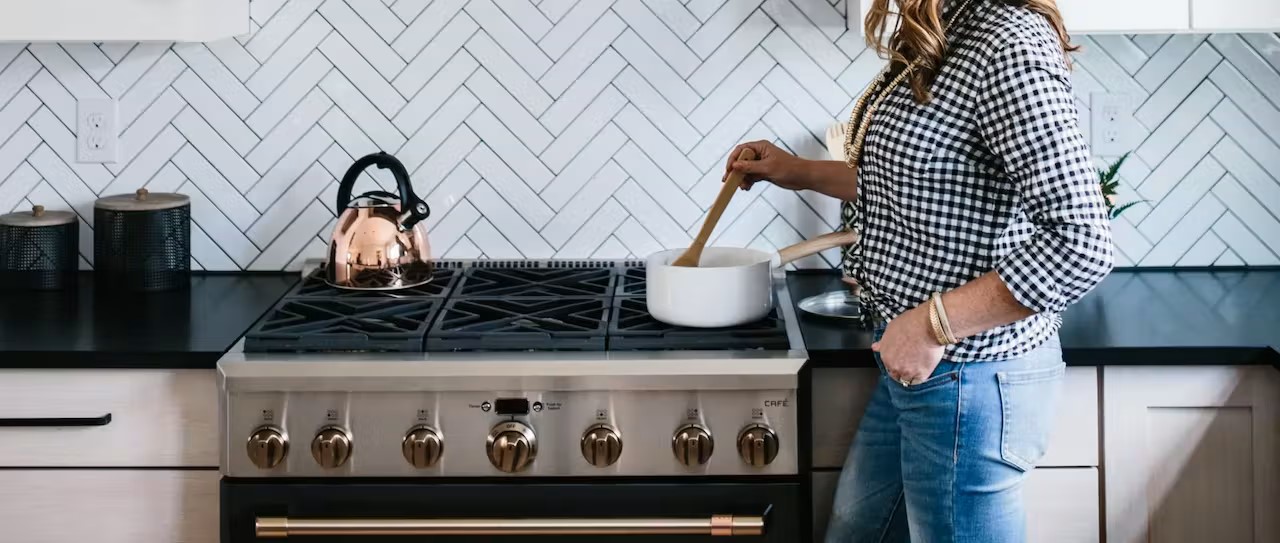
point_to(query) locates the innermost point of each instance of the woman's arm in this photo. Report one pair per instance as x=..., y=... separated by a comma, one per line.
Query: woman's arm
x=830, y=177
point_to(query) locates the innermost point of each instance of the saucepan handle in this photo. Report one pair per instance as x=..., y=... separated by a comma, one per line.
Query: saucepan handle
x=792, y=253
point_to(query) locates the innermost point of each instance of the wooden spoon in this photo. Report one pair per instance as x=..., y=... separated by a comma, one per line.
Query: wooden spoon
x=693, y=255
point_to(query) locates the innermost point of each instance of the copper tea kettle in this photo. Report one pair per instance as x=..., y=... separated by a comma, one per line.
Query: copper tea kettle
x=380, y=241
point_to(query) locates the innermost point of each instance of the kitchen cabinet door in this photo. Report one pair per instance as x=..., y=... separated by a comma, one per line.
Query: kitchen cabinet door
x=1191, y=454
x=1062, y=504
x=109, y=506
x=839, y=397
x=1129, y=16
x=1235, y=15
x=158, y=418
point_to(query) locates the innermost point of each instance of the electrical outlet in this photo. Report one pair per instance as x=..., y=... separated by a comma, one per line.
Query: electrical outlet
x=1111, y=121
x=96, y=131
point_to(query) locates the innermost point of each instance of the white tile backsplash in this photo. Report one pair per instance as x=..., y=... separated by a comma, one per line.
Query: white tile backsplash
x=584, y=128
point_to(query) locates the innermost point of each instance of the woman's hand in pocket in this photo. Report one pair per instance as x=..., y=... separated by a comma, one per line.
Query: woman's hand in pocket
x=908, y=349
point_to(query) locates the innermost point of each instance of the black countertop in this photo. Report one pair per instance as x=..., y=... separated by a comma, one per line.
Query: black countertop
x=82, y=328
x=1147, y=317
x=1134, y=317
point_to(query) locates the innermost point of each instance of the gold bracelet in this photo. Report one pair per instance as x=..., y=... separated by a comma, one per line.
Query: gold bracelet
x=943, y=322
x=936, y=324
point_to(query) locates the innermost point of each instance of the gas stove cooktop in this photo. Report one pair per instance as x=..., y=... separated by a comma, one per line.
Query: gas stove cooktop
x=497, y=306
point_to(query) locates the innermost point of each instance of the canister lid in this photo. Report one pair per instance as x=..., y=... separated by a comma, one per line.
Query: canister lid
x=142, y=200
x=38, y=216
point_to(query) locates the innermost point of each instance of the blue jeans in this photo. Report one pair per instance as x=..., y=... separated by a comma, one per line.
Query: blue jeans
x=944, y=460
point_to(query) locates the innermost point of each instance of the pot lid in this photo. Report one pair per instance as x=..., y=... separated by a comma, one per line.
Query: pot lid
x=37, y=217
x=142, y=200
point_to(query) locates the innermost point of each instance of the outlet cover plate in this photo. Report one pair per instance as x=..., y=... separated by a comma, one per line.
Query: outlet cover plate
x=97, y=130
x=1112, y=126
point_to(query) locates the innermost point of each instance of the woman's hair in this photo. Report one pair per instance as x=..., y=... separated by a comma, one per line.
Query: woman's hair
x=919, y=34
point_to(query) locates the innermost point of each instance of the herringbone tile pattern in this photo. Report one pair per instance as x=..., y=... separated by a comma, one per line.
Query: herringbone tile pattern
x=580, y=128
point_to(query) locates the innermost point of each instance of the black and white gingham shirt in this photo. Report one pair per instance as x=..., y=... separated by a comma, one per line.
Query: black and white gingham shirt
x=992, y=174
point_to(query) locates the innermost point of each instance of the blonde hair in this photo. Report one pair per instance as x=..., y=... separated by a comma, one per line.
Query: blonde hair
x=919, y=35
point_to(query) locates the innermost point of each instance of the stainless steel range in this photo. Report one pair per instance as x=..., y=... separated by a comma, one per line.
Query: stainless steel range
x=533, y=399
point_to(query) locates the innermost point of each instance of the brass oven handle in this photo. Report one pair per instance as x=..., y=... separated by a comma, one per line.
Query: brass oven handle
x=715, y=525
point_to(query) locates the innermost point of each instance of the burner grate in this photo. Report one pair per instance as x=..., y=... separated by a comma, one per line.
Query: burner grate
x=344, y=324
x=521, y=324
x=632, y=282
x=632, y=328
x=536, y=282
x=495, y=306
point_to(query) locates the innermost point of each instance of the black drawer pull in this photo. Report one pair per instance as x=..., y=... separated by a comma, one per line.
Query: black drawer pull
x=53, y=422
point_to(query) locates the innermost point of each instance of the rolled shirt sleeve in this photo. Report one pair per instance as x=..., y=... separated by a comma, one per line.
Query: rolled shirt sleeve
x=1027, y=116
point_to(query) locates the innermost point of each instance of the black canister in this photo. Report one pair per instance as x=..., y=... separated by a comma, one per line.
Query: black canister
x=39, y=249
x=142, y=241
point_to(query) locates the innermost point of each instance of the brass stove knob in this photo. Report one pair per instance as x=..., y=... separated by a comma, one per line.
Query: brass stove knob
x=693, y=445
x=422, y=447
x=267, y=447
x=511, y=446
x=757, y=445
x=331, y=447
x=601, y=445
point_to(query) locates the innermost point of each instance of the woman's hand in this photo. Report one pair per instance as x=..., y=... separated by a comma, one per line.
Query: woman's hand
x=772, y=164
x=908, y=348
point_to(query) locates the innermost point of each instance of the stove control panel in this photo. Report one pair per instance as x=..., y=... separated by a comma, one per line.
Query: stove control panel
x=511, y=433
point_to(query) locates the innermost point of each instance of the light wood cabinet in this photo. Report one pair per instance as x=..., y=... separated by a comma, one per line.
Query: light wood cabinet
x=159, y=418
x=109, y=506
x=840, y=396
x=1062, y=504
x=1191, y=454
x=1235, y=15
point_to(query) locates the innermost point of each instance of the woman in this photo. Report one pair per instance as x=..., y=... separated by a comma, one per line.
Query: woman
x=980, y=220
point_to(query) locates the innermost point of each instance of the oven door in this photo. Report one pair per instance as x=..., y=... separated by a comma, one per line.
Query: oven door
x=525, y=510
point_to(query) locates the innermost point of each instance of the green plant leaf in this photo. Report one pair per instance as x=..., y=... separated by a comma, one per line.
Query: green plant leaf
x=1114, y=169
x=1116, y=211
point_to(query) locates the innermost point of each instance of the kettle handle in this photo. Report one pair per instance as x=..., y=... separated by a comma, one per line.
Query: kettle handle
x=412, y=208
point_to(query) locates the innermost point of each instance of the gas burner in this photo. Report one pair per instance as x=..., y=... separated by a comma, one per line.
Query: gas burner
x=442, y=281
x=519, y=324
x=633, y=328
x=344, y=324
x=536, y=282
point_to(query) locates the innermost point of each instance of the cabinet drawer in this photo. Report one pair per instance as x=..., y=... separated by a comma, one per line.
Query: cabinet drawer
x=159, y=418
x=840, y=396
x=109, y=506
x=1062, y=504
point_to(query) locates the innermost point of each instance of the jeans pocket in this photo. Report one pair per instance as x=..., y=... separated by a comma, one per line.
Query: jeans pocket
x=935, y=381
x=1028, y=399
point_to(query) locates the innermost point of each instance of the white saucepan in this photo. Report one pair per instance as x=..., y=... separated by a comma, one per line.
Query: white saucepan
x=730, y=286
